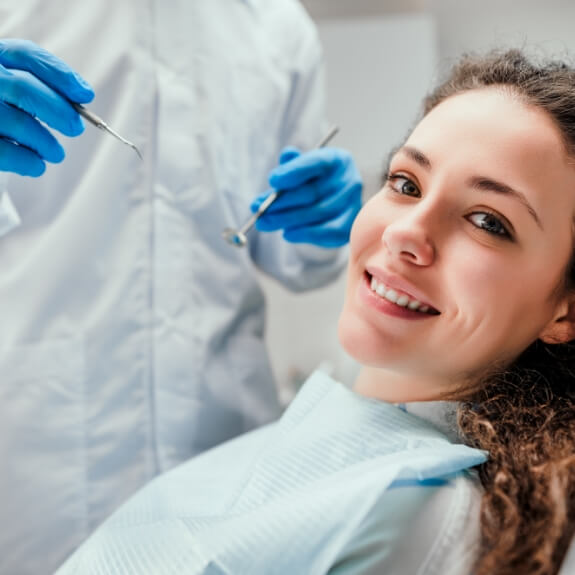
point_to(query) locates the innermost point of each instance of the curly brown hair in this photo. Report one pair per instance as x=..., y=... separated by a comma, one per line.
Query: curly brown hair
x=524, y=415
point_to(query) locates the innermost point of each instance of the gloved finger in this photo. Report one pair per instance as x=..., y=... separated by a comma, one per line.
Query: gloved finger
x=49, y=69
x=25, y=91
x=288, y=154
x=21, y=128
x=325, y=209
x=309, y=165
x=20, y=160
x=302, y=197
x=255, y=205
x=331, y=234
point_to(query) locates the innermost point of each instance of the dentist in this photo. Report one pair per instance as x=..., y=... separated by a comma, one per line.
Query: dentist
x=131, y=334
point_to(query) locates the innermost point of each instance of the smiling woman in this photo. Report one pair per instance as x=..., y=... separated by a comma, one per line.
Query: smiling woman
x=460, y=300
x=475, y=219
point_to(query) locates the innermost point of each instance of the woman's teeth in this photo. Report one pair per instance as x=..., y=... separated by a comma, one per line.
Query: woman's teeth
x=399, y=299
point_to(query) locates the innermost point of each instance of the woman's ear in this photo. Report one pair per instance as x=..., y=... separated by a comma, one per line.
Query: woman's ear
x=561, y=328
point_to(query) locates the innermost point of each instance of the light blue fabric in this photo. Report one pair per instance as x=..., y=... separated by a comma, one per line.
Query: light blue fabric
x=299, y=496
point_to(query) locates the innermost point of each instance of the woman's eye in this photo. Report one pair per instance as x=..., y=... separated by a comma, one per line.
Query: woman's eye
x=490, y=223
x=403, y=185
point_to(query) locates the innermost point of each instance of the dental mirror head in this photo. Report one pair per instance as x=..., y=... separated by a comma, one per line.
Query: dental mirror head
x=235, y=237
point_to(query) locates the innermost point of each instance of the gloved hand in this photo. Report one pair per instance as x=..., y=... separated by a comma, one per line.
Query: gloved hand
x=34, y=86
x=320, y=197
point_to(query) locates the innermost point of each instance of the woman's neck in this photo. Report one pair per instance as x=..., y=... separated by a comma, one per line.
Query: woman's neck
x=396, y=387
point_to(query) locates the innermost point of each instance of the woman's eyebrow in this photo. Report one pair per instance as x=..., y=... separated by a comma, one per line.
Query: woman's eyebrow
x=411, y=152
x=489, y=185
x=416, y=155
x=480, y=183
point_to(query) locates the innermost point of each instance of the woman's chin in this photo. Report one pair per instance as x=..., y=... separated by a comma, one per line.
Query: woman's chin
x=357, y=342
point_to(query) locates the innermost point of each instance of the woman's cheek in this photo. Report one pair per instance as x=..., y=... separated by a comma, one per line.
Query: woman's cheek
x=365, y=229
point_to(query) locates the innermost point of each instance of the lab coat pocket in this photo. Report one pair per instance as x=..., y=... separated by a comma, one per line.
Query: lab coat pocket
x=42, y=482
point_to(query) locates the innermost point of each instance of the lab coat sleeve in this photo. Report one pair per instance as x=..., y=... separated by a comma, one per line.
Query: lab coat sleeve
x=299, y=267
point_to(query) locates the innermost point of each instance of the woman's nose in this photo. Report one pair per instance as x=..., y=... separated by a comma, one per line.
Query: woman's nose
x=408, y=238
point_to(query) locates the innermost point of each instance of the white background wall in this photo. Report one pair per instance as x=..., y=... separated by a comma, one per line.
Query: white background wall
x=381, y=57
x=464, y=25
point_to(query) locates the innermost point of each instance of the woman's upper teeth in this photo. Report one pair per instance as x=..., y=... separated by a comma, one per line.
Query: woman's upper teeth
x=396, y=297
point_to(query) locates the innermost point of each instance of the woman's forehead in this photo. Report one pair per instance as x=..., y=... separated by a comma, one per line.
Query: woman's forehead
x=490, y=122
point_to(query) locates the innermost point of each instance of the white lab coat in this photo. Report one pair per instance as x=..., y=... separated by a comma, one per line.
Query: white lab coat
x=130, y=332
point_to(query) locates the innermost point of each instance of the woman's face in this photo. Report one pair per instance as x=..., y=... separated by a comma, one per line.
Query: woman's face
x=474, y=227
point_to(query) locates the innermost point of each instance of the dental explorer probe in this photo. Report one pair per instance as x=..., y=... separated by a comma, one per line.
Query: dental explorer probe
x=238, y=238
x=99, y=123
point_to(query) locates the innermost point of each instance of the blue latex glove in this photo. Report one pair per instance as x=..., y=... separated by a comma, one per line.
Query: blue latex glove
x=320, y=197
x=34, y=86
